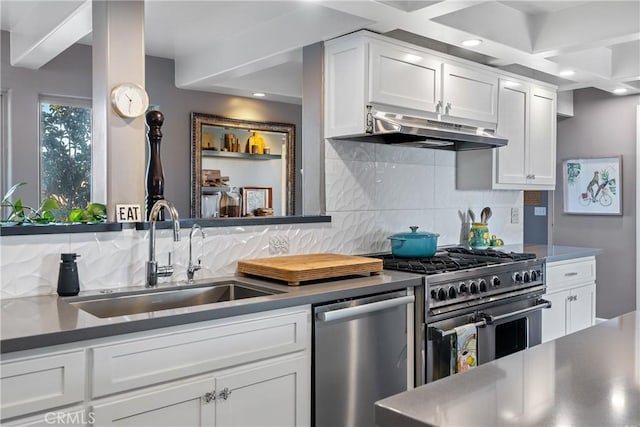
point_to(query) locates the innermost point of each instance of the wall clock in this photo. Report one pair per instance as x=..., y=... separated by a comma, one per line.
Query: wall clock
x=129, y=100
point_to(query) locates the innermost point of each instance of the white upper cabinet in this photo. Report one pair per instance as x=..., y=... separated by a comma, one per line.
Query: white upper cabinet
x=469, y=94
x=364, y=68
x=404, y=77
x=542, y=138
x=527, y=118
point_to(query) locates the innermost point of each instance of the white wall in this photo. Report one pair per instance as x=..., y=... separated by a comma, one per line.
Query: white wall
x=372, y=191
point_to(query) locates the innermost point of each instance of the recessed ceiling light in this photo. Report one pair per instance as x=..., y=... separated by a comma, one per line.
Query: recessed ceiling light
x=471, y=42
x=620, y=90
x=259, y=94
x=566, y=73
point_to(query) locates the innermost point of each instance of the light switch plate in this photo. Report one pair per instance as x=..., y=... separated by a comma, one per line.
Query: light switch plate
x=515, y=216
x=540, y=211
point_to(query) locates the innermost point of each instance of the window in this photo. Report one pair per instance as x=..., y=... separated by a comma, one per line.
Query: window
x=65, y=151
x=4, y=153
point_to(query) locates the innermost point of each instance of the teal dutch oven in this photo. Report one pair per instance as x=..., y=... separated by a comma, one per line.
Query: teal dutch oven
x=414, y=244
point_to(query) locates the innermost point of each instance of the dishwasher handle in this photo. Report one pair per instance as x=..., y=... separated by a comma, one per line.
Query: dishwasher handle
x=344, y=313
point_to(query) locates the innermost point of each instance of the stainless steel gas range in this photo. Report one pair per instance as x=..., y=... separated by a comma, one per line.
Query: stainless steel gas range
x=497, y=292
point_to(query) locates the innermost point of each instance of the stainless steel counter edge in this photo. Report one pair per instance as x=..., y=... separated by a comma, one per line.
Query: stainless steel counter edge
x=35, y=322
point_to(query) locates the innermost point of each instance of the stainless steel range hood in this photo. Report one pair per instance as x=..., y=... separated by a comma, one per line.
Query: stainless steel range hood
x=392, y=128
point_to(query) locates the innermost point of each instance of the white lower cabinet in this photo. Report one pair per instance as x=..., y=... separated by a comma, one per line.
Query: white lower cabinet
x=270, y=393
x=571, y=289
x=251, y=370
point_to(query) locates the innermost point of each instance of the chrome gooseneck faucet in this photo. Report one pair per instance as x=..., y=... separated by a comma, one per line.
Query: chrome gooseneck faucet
x=192, y=268
x=153, y=270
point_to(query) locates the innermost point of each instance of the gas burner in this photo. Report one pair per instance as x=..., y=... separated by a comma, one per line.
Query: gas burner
x=439, y=263
x=490, y=253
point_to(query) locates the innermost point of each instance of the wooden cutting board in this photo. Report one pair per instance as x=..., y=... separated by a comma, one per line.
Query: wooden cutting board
x=294, y=269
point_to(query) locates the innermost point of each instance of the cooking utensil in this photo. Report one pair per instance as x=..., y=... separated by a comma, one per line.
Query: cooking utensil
x=471, y=215
x=414, y=244
x=485, y=215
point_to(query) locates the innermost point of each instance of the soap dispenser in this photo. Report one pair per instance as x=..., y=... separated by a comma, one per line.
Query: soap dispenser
x=68, y=283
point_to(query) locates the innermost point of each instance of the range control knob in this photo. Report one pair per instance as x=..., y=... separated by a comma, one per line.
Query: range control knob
x=452, y=292
x=495, y=281
x=525, y=277
x=442, y=295
x=517, y=277
x=434, y=294
x=483, y=286
x=534, y=275
x=473, y=288
x=463, y=288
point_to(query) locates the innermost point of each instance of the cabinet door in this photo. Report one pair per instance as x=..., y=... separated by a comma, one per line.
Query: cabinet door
x=268, y=394
x=470, y=94
x=554, y=319
x=582, y=310
x=178, y=405
x=512, y=124
x=404, y=78
x=541, y=150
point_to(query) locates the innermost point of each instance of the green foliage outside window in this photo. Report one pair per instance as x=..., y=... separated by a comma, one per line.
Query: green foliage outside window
x=66, y=155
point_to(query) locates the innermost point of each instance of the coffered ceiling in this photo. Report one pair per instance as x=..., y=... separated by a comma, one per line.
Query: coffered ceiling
x=241, y=47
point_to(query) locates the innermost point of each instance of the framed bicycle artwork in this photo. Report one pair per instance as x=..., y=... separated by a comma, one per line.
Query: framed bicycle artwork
x=593, y=186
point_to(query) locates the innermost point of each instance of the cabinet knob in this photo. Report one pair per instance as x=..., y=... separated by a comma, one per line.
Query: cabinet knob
x=447, y=108
x=225, y=393
x=438, y=106
x=209, y=396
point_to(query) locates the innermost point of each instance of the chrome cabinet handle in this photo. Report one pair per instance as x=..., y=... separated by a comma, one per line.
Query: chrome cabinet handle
x=225, y=393
x=209, y=396
x=573, y=273
x=447, y=108
x=438, y=106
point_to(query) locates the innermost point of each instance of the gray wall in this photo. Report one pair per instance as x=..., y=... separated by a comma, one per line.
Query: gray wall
x=176, y=105
x=536, y=226
x=603, y=125
x=69, y=74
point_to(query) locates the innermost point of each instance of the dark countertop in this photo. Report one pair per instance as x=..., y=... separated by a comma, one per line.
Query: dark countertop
x=589, y=378
x=42, y=321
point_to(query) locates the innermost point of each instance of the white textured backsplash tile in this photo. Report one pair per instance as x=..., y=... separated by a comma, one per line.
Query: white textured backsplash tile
x=350, y=151
x=503, y=198
x=445, y=158
x=351, y=185
x=399, y=221
x=446, y=194
x=404, y=186
x=408, y=155
x=30, y=264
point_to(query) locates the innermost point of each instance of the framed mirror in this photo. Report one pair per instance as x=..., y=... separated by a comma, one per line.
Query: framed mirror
x=230, y=157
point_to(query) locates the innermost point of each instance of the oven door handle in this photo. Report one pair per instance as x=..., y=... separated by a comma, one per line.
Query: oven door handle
x=540, y=304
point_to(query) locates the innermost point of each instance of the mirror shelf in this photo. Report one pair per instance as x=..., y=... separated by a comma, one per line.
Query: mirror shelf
x=221, y=153
x=231, y=154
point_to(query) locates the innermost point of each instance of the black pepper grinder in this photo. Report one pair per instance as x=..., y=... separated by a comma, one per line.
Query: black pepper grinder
x=68, y=283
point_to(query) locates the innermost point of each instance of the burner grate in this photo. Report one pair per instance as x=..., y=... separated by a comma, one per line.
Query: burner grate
x=491, y=253
x=431, y=265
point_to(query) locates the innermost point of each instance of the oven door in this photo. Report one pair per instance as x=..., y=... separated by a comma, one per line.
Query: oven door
x=510, y=328
x=440, y=346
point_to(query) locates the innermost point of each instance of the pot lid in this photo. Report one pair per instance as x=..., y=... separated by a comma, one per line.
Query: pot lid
x=414, y=234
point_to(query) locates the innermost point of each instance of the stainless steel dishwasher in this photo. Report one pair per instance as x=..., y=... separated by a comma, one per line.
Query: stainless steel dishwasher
x=363, y=352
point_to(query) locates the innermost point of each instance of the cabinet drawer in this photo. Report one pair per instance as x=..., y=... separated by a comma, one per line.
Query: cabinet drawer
x=565, y=273
x=160, y=358
x=39, y=383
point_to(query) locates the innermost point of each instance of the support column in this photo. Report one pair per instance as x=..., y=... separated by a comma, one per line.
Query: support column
x=118, y=157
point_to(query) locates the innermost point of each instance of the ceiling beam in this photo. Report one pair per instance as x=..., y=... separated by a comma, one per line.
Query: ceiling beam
x=49, y=29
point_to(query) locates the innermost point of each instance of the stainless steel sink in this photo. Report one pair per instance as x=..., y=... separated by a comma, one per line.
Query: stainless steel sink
x=164, y=299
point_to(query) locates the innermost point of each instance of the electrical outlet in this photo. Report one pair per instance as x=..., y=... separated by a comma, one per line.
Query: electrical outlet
x=515, y=216
x=278, y=245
